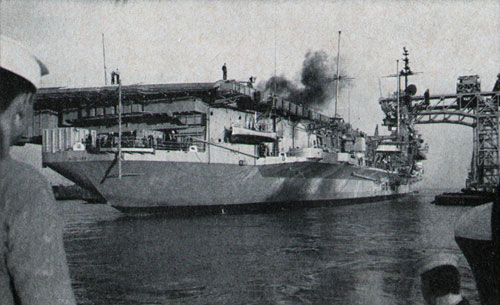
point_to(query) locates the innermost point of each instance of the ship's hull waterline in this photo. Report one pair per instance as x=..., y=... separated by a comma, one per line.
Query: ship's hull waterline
x=160, y=186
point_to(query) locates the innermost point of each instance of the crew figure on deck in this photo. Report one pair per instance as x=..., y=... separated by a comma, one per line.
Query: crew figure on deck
x=224, y=72
x=251, y=81
x=115, y=77
x=427, y=99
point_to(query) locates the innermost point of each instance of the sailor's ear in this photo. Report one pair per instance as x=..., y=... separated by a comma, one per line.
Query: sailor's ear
x=20, y=110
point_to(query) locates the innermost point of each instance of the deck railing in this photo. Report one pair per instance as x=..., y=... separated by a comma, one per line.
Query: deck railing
x=138, y=142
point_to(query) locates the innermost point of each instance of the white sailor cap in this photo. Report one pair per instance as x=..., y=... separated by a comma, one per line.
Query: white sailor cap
x=436, y=260
x=17, y=59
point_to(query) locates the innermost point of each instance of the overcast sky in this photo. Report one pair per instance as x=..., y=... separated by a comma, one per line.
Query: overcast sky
x=188, y=41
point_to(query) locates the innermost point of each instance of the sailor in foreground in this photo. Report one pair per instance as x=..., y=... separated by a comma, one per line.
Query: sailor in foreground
x=477, y=233
x=33, y=268
x=440, y=280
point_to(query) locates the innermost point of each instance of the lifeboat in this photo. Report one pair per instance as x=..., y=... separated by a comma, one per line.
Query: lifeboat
x=250, y=136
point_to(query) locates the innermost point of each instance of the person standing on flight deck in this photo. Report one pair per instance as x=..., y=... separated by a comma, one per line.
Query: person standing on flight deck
x=224, y=72
x=33, y=268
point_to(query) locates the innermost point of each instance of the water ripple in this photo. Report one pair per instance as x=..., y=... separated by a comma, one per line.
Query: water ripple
x=360, y=254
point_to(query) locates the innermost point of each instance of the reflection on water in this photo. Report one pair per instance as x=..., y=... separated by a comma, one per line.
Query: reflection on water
x=359, y=254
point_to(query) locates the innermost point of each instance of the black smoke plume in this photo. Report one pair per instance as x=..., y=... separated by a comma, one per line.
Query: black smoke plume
x=317, y=85
x=283, y=88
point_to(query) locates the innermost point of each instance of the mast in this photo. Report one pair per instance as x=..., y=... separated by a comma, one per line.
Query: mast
x=274, y=59
x=209, y=141
x=104, y=61
x=348, y=105
x=338, y=77
x=399, y=94
x=406, y=70
x=274, y=95
x=274, y=85
x=119, y=129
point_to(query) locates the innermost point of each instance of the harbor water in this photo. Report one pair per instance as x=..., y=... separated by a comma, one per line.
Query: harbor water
x=357, y=254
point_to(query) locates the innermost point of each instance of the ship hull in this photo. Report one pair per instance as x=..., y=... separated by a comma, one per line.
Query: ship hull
x=153, y=186
x=248, y=208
